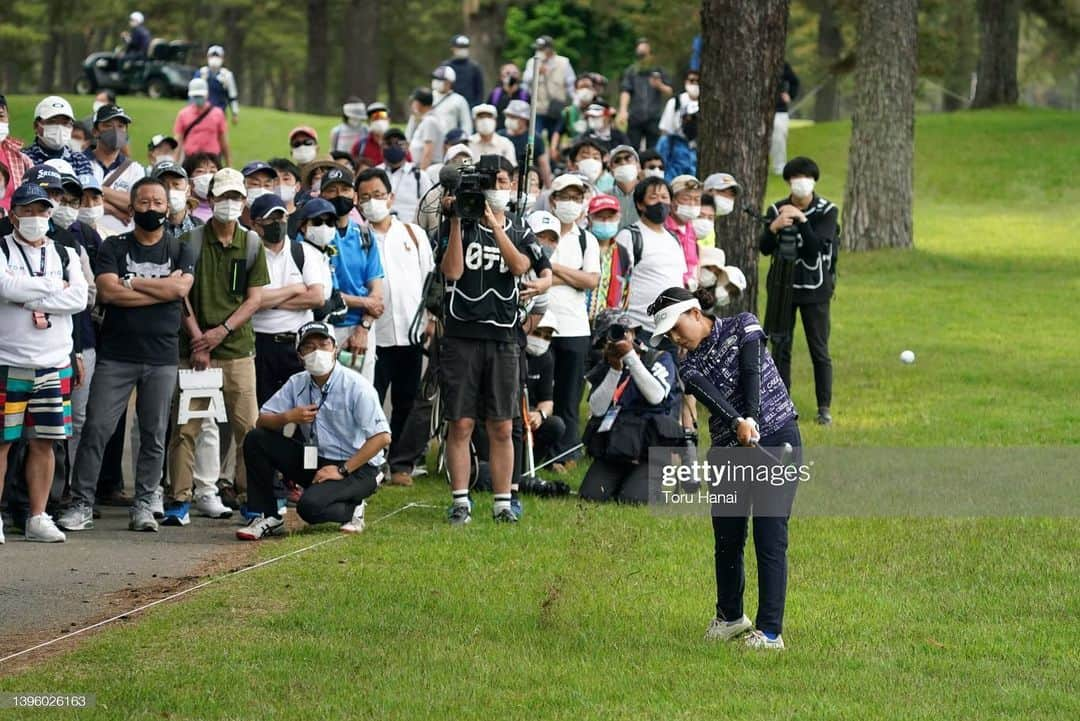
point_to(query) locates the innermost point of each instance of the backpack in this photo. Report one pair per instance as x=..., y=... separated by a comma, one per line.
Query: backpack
x=334, y=309
x=638, y=243
x=65, y=260
x=195, y=240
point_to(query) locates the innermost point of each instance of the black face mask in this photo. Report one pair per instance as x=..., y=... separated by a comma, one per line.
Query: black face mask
x=273, y=234
x=657, y=212
x=114, y=138
x=394, y=154
x=149, y=220
x=342, y=205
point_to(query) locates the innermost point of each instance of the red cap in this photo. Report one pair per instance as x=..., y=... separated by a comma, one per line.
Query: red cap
x=306, y=130
x=604, y=202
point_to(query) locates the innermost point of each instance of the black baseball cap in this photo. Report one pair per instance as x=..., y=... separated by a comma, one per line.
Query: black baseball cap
x=28, y=193
x=44, y=176
x=315, y=327
x=108, y=112
x=337, y=175
x=168, y=167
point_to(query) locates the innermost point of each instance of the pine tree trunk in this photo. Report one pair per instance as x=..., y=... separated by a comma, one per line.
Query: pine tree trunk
x=999, y=44
x=878, y=202
x=830, y=45
x=361, y=59
x=736, y=116
x=485, y=24
x=317, y=57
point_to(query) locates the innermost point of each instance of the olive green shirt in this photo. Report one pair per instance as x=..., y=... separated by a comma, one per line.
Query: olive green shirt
x=220, y=289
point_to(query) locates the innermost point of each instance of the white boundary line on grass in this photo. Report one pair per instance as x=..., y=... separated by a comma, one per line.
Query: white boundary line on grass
x=204, y=584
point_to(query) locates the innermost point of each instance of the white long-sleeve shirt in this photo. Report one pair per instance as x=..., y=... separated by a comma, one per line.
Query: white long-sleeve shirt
x=406, y=265
x=24, y=290
x=452, y=110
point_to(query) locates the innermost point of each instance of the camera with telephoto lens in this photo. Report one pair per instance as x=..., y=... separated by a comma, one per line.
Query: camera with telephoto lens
x=468, y=183
x=616, y=332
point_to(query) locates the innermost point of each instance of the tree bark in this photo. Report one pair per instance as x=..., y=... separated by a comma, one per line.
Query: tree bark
x=317, y=57
x=960, y=64
x=878, y=201
x=485, y=24
x=360, y=76
x=830, y=46
x=235, y=27
x=736, y=116
x=999, y=44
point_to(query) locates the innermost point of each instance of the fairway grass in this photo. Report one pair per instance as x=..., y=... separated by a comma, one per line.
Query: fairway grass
x=587, y=612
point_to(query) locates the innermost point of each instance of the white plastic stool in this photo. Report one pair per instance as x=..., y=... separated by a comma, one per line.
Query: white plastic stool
x=201, y=384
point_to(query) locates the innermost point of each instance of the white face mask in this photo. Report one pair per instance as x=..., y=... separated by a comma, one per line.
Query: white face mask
x=626, y=173
x=530, y=200
x=688, y=212
x=304, y=154
x=177, y=200
x=438, y=86
x=164, y=157
x=724, y=205
x=75, y=145
x=802, y=187
x=722, y=297
x=380, y=126
x=286, y=192
x=706, y=278
x=702, y=227
x=227, y=211
x=92, y=215
x=591, y=167
x=319, y=362
x=214, y=63
x=596, y=124
x=497, y=199
x=515, y=125
x=5, y=128
x=567, y=211
x=584, y=96
x=254, y=194
x=536, y=346
x=654, y=173
x=375, y=210
x=55, y=137
x=320, y=235
x=63, y=216
x=461, y=52
x=693, y=90
x=33, y=229
x=485, y=126
x=200, y=184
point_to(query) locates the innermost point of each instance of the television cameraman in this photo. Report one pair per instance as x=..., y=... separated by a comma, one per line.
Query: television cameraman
x=482, y=251
x=803, y=236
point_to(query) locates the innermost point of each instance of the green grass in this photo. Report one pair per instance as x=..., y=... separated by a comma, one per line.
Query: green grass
x=597, y=612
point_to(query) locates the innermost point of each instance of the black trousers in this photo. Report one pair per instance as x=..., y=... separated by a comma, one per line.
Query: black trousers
x=815, y=321
x=409, y=446
x=647, y=129
x=268, y=451
x=770, y=548
x=398, y=368
x=616, y=481
x=275, y=363
x=570, y=356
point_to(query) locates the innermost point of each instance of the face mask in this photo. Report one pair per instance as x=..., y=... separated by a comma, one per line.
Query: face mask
x=626, y=173
x=177, y=201
x=702, y=227
x=461, y=52
x=567, y=211
x=438, y=86
x=63, y=216
x=163, y=158
x=319, y=362
x=802, y=187
x=199, y=100
x=485, y=126
x=688, y=212
x=304, y=154
x=342, y=205
x=55, y=137
x=354, y=122
x=584, y=96
x=724, y=205
x=92, y=215
x=657, y=212
x=722, y=297
x=149, y=220
x=214, y=63
x=654, y=173
x=227, y=211
x=75, y=145
x=515, y=125
x=380, y=126
x=530, y=200
x=273, y=233
x=707, y=278
x=33, y=229
x=641, y=54
x=605, y=230
x=592, y=168
x=114, y=138
x=536, y=346
x=254, y=194
x=287, y=192
x=693, y=90
x=596, y=124
x=375, y=210
x=394, y=155
x=320, y=235
x=497, y=199
x=5, y=128
x=201, y=185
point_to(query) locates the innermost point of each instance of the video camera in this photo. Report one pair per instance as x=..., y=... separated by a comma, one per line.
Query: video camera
x=468, y=183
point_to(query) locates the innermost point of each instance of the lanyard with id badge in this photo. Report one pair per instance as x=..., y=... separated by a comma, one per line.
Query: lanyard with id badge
x=311, y=447
x=613, y=412
x=41, y=320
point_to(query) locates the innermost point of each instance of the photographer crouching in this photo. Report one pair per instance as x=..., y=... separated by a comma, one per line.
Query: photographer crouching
x=802, y=236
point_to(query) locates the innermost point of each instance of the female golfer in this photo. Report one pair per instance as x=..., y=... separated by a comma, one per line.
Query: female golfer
x=727, y=369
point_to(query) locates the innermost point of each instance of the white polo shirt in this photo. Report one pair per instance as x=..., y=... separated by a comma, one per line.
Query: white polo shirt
x=567, y=302
x=405, y=266
x=498, y=145
x=283, y=272
x=408, y=188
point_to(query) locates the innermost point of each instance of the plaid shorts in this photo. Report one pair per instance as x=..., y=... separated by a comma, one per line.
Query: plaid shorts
x=36, y=402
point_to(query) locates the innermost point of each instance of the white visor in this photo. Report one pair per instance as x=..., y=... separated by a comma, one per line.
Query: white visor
x=666, y=318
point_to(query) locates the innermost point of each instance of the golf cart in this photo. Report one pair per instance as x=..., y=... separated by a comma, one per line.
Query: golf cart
x=163, y=73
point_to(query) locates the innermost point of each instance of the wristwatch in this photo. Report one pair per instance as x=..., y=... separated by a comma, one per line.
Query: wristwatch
x=343, y=469
x=543, y=416
x=226, y=326
x=127, y=282
x=365, y=324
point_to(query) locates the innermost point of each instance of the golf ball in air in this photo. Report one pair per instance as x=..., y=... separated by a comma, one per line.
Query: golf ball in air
x=907, y=357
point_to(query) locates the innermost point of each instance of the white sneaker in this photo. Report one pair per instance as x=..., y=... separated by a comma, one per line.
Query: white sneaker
x=261, y=527
x=758, y=640
x=2, y=531
x=720, y=630
x=211, y=506
x=142, y=519
x=42, y=529
x=77, y=518
x=356, y=525
x=157, y=503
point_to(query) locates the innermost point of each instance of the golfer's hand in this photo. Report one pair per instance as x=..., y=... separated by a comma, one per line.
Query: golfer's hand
x=747, y=432
x=302, y=414
x=326, y=473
